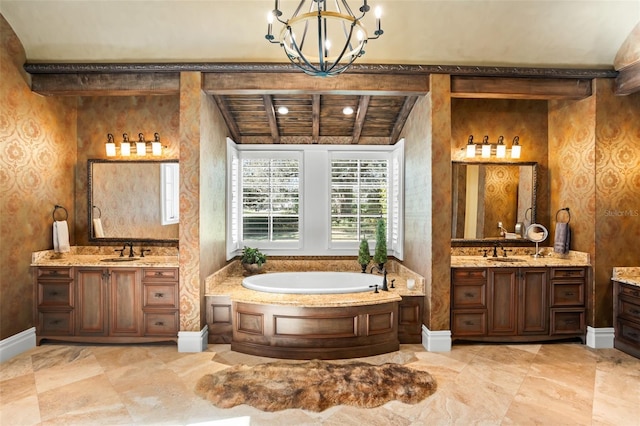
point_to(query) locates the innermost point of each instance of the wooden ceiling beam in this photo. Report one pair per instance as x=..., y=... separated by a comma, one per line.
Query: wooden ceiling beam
x=628, y=80
x=296, y=84
x=271, y=117
x=315, y=118
x=520, y=88
x=228, y=119
x=363, y=106
x=124, y=84
x=403, y=115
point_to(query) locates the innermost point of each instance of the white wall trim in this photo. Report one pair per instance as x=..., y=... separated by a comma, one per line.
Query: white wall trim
x=600, y=338
x=193, y=341
x=436, y=341
x=17, y=344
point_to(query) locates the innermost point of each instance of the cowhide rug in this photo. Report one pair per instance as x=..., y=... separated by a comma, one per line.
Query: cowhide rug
x=315, y=385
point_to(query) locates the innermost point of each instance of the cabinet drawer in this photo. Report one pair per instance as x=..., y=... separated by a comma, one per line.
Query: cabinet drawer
x=161, y=295
x=469, y=323
x=54, y=273
x=161, y=324
x=630, y=291
x=469, y=274
x=55, y=293
x=469, y=295
x=567, y=273
x=55, y=323
x=160, y=274
x=629, y=308
x=628, y=331
x=567, y=293
x=567, y=321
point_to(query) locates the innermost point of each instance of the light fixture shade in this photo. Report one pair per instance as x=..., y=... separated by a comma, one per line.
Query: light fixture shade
x=501, y=151
x=471, y=150
x=515, y=151
x=111, y=149
x=486, y=150
x=156, y=148
x=141, y=148
x=125, y=149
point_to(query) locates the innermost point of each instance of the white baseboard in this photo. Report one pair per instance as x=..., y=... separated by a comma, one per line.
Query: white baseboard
x=436, y=341
x=600, y=338
x=17, y=344
x=193, y=341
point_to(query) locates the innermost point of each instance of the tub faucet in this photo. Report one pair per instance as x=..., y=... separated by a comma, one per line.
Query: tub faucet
x=384, y=276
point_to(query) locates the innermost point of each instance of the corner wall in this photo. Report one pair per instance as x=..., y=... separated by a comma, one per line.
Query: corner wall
x=37, y=159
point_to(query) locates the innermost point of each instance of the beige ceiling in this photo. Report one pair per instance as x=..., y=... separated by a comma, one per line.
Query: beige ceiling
x=558, y=33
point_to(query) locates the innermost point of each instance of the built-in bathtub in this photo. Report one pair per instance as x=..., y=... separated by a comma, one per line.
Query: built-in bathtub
x=313, y=314
x=315, y=282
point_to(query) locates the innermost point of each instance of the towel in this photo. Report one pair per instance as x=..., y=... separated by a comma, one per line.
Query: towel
x=61, y=237
x=562, y=238
x=98, y=232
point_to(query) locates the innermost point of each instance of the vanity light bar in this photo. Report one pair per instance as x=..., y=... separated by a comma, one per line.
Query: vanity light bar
x=141, y=145
x=487, y=148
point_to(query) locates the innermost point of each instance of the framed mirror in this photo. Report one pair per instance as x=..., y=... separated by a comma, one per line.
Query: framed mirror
x=133, y=201
x=487, y=195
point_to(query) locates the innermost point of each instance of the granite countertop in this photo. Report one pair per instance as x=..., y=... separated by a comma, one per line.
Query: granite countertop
x=228, y=282
x=517, y=261
x=627, y=275
x=96, y=261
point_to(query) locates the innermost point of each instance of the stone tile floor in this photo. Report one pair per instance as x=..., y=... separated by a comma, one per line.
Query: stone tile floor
x=545, y=384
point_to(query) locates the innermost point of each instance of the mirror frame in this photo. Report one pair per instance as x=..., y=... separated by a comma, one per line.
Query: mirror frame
x=462, y=242
x=92, y=238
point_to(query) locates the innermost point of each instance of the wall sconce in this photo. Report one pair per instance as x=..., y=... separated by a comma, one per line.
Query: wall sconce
x=141, y=145
x=486, y=148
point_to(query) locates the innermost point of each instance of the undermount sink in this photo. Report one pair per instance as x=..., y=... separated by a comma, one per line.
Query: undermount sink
x=120, y=259
x=505, y=259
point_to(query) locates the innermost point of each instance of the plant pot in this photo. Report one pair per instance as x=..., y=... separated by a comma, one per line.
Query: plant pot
x=252, y=268
x=364, y=267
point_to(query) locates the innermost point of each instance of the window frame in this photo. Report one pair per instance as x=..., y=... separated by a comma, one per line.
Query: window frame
x=315, y=198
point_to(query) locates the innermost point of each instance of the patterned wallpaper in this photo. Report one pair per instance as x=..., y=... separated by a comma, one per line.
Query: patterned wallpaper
x=596, y=173
x=509, y=118
x=100, y=115
x=37, y=159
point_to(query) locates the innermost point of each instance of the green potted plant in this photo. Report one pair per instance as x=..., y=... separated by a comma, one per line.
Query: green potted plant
x=380, y=254
x=252, y=259
x=364, y=255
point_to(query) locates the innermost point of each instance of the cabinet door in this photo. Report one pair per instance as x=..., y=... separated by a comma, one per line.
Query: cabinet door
x=91, y=307
x=125, y=310
x=533, y=313
x=502, y=304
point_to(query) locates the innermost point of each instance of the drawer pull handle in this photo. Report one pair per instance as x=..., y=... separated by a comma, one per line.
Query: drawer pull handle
x=634, y=335
x=159, y=274
x=568, y=293
x=159, y=323
x=468, y=323
x=54, y=322
x=159, y=295
x=53, y=273
x=53, y=293
x=468, y=294
x=570, y=322
x=636, y=293
x=634, y=311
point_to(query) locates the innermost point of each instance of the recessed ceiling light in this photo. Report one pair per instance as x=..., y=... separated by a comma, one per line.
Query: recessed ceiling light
x=347, y=110
x=283, y=110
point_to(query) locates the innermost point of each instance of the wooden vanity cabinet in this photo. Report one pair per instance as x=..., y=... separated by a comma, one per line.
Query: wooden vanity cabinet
x=517, y=304
x=410, y=319
x=107, y=305
x=109, y=302
x=54, y=297
x=626, y=315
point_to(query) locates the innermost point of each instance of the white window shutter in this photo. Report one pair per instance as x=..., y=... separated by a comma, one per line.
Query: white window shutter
x=233, y=202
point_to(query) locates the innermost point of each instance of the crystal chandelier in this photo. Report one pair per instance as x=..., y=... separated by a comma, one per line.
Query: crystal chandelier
x=319, y=41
